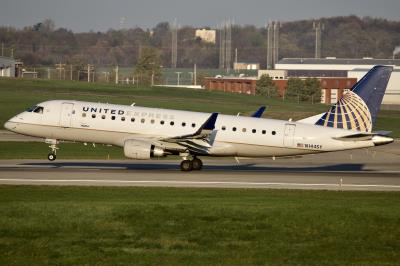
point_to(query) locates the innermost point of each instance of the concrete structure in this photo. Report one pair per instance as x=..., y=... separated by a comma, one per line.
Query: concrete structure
x=351, y=68
x=246, y=66
x=7, y=67
x=206, y=35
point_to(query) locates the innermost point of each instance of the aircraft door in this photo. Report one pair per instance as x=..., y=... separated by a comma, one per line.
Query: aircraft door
x=288, y=138
x=66, y=114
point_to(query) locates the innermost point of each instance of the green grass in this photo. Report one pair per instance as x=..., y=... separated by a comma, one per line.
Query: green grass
x=17, y=95
x=166, y=226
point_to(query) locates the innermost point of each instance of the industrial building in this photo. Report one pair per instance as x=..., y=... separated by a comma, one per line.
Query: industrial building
x=232, y=84
x=332, y=88
x=246, y=66
x=7, y=66
x=206, y=35
x=345, y=68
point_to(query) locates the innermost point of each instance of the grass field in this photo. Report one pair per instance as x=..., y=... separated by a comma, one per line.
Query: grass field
x=167, y=226
x=18, y=95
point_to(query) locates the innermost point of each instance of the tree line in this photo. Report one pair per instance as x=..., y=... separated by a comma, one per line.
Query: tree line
x=44, y=44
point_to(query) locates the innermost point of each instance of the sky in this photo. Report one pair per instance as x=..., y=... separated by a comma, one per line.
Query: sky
x=101, y=15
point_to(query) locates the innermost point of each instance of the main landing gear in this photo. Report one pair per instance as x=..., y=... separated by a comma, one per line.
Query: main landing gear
x=189, y=165
x=53, y=146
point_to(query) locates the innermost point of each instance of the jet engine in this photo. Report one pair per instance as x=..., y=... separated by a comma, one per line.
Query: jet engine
x=141, y=150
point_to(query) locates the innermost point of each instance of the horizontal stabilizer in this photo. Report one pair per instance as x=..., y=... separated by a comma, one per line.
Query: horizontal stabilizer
x=365, y=136
x=356, y=137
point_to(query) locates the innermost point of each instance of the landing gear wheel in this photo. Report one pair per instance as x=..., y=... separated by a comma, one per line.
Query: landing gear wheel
x=186, y=165
x=197, y=164
x=51, y=156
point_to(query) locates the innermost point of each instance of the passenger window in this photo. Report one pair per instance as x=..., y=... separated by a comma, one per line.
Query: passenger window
x=254, y=131
x=152, y=121
x=193, y=125
x=162, y=122
x=113, y=117
x=142, y=120
x=103, y=117
x=263, y=132
x=243, y=129
x=172, y=123
x=83, y=114
x=234, y=129
x=183, y=124
x=223, y=128
x=122, y=118
x=93, y=115
x=132, y=119
x=273, y=132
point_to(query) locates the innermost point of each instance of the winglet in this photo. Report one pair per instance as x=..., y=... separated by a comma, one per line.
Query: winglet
x=210, y=123
x=259, y=112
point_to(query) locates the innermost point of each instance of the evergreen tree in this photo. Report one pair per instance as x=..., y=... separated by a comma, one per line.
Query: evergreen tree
x=312, y=90
x=266, y=87
x=294, y=89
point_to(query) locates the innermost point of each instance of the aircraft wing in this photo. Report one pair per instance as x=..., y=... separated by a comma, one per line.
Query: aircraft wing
x=203, y=133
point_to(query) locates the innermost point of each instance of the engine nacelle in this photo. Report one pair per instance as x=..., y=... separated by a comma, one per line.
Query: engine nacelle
x=141, y=150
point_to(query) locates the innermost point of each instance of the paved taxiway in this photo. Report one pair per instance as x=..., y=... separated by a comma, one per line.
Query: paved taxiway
x=366, y=169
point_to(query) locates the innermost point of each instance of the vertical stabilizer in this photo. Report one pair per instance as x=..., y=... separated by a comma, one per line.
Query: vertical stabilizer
x=358, y=109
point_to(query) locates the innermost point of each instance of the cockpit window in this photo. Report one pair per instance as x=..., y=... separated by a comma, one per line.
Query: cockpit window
x=36, y=109
x=32, y=108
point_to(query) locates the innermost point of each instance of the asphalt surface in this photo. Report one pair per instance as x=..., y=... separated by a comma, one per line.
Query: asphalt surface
x=376, y=169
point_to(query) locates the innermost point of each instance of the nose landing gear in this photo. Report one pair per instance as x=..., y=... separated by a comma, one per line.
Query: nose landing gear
x=53, y=146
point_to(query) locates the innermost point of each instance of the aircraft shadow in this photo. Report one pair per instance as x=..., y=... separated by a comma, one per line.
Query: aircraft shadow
x=226, y=167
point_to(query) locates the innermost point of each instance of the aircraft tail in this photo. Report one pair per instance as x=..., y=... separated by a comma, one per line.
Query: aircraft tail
x=358, y=109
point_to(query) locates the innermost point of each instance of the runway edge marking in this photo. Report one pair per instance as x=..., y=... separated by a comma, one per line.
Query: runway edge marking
x=194, y=182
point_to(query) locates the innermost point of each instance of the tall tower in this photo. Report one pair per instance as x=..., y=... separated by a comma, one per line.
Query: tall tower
x=225, y=45
x=272, y=44
x=222, y=46
x=174, y=44
x=318, y=27
x=228, y=45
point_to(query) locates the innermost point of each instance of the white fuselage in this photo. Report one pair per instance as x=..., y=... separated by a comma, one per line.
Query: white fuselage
x=233, y=135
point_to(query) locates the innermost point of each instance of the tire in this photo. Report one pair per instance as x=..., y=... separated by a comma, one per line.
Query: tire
x=51, y=156
x=186, y=165
x=197, y=164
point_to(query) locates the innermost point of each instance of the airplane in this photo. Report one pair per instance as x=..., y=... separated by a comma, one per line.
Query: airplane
x=144, y=133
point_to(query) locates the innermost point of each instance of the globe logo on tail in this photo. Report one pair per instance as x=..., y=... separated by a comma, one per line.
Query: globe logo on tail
x=350, y=112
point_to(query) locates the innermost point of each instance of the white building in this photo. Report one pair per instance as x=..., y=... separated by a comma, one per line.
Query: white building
x=392, y=95
x=7, y=67
x=206, y=35
x=352, y=68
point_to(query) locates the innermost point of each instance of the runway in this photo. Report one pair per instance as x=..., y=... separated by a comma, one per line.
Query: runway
x=376, y=169
x=224, y=173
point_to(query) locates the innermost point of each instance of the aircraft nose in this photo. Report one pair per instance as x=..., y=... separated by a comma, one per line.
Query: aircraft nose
x=10, y=125
x=7, y=125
